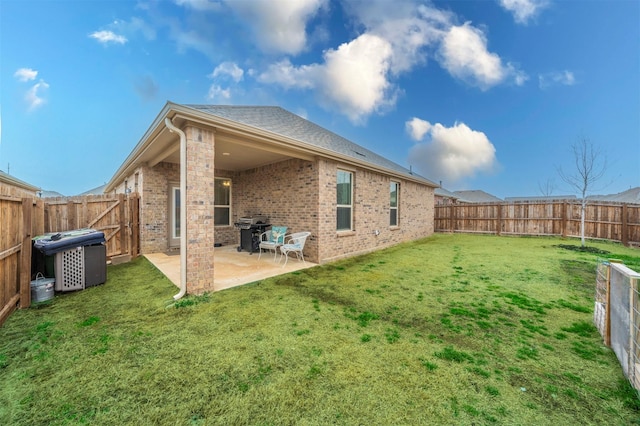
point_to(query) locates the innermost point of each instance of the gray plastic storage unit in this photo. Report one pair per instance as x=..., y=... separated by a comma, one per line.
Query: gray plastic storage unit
x=80, y=258
x=95, y=265
x=81, y=268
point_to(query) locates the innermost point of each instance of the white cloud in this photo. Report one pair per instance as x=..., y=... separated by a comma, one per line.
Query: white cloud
x=355, y=76
x=285, y=74
x=279, y=27
x=132, y=27
x=34, y=95
x=464, y=54
x=564, y=78
x=217, y=94
x=410, y=29
x=230, y=69
x=106, y=37
x=417, y=128
x=25, y=74
x=451, y=153
x=523, y=10
x=358, y=76
x=352, y=77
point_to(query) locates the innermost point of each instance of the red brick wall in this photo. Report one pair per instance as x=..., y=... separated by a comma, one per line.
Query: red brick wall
x=371, y=202
x=286, y=192
x=301, y=195
x=153, y=185
x=199, y=202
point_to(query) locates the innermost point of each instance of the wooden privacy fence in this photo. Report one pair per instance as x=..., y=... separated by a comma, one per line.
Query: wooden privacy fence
x=118, y=216
x=615, y=222
x=21, y=219
x=18, y=223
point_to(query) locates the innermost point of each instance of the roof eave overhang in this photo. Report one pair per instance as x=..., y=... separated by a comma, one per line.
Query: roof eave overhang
x=131, y=162
x=8, y=179
x=172, y=110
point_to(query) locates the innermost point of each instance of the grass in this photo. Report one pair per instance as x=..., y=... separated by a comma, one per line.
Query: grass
x=453, y=329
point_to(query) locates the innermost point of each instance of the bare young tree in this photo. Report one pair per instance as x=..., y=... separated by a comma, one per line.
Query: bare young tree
x=546, y=188
x=590, y=166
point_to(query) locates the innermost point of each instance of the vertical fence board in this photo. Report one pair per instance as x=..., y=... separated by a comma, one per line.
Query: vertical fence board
x=625, y=230
x=123, y=224
x=25, y=254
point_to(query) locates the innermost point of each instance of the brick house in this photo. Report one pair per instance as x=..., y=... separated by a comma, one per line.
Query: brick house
x=239, y=161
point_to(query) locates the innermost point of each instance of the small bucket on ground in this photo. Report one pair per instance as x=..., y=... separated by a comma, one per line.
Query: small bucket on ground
x=42, y=289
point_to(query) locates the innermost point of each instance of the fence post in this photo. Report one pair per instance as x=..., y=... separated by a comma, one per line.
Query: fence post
x=499, y=227
x=563, y=217
x=123, y=224
x=85, y=213
x=451, y=218
x=71, y=217
x=25, y=254
x=625, y=229
x=46, y=214
x=37, y=217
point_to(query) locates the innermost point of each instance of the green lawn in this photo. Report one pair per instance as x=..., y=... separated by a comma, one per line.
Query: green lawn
x=453, y=329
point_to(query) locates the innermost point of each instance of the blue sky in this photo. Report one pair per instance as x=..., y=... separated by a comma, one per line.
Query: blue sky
x=477, y=94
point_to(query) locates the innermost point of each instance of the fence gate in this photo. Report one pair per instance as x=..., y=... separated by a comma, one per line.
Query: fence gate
x=115, y=215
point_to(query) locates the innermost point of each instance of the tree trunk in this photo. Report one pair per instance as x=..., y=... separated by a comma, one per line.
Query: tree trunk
x=582, y=212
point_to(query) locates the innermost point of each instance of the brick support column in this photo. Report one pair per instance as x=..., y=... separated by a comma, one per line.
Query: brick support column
x=199, y=201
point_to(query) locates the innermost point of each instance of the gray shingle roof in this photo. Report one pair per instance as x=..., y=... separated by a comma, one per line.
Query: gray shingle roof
x=445, y=193
x=476, y=196
x=631, y=196
x=99, y=190
x=284, y=123
x=51, y=194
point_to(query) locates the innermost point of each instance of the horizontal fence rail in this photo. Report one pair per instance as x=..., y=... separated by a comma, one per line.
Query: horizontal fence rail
x=607, y=221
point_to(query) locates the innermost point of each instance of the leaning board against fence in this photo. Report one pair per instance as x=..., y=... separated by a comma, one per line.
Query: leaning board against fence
x=617, y=315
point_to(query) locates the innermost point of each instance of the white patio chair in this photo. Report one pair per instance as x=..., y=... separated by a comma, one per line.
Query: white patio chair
x=272, y=239
x=294, y=244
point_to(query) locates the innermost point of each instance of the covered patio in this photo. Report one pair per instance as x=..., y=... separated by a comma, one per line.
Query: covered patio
x=232, y=269
x=200, y=169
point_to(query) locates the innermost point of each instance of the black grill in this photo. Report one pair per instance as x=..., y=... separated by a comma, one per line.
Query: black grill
x=250, y=230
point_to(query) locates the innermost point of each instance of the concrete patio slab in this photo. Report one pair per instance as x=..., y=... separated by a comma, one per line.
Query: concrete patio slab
x=232, y=268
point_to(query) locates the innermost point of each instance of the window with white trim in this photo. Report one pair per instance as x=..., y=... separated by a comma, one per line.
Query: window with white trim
x=344, y=201
x=222, y=202
x=394, y=193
